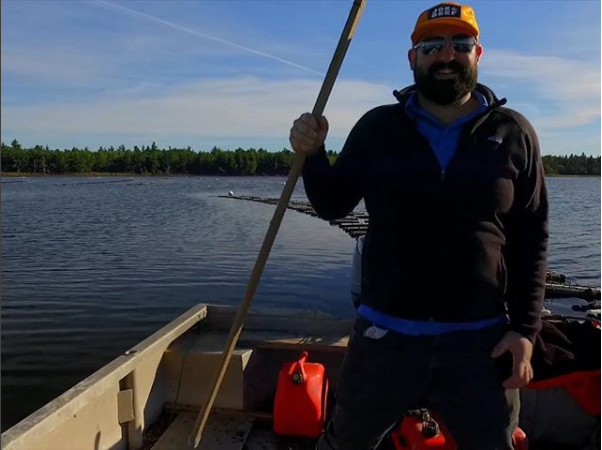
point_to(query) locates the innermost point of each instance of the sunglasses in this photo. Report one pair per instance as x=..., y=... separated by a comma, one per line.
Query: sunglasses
x=460, y=44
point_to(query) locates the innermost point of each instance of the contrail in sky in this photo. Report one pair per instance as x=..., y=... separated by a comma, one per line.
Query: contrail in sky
x=206, y=36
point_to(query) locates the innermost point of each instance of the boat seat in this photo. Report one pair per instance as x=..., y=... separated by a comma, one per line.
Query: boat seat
x=191, y=362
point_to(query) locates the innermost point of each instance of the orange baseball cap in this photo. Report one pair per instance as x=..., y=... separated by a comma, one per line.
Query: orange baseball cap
x=446, y=16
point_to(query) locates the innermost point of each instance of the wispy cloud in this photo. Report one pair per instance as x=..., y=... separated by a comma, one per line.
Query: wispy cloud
x=51, y=65
x=235, y=107
x=569, y=90
x=197, y=33
x=63, y=53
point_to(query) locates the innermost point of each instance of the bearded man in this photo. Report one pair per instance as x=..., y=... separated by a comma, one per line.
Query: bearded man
x=454, y=259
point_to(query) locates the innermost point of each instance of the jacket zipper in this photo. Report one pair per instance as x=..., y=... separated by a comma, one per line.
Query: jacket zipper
x=465, y=136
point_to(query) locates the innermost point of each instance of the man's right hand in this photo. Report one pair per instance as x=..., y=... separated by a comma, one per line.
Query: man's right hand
x=308, y=134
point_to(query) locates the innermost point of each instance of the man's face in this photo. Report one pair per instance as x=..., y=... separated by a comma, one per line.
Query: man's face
x=445, y=66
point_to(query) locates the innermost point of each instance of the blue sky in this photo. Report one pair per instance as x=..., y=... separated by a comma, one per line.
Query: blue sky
x=237, y=73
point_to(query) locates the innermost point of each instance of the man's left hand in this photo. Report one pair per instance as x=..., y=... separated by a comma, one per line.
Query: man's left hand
x=521, y=349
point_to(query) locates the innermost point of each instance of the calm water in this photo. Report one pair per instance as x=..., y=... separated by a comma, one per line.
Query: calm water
x=93, y=265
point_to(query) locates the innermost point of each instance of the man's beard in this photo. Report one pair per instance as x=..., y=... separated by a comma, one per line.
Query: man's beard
x=446, y=91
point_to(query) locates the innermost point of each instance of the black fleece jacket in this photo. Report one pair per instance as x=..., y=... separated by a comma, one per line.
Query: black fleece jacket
x=463, y=244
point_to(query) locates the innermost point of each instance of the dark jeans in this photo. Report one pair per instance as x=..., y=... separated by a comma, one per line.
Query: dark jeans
x=453, y=374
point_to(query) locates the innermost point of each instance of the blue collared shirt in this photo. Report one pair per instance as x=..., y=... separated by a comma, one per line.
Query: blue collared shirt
x=444, y=143
x=443, y=138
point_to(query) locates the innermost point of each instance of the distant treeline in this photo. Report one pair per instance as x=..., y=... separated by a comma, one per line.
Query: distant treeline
x=145, y=160
x=151, y=160
x=571, y=165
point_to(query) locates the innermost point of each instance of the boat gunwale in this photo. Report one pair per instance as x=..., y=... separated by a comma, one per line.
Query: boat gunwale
x=216, y=317
x=54, y=413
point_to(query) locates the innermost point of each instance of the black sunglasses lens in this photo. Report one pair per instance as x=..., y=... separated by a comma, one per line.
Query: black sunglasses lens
x=463, y=48
x=463, y=44
x=428, y=48
x=460, y=45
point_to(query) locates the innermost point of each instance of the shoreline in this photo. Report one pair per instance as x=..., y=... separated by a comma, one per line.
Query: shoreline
x=141, y=175
x=125, y=174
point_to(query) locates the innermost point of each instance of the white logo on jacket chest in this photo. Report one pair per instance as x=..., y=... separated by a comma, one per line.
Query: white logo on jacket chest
x=497, y=139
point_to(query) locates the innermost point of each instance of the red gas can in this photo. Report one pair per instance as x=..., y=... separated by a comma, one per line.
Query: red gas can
x=419, y=431
x=300, y=404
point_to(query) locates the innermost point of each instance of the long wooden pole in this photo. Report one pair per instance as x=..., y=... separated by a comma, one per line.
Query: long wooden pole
x=298, y=161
